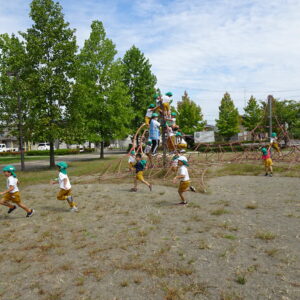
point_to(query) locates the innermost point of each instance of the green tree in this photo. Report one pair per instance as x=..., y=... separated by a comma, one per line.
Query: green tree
x=141, y=83
x=285, y=118
x=100, y=89
x=51, y=48
x=253, y=116
x=190, y=117
x=14, y=88
x=228, y=122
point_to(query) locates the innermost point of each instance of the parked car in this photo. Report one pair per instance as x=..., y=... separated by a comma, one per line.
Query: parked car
x=3, y=148
x=43, y=146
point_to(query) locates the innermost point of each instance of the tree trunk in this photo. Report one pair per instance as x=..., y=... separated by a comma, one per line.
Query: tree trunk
x=52, y=155
x=102, y=150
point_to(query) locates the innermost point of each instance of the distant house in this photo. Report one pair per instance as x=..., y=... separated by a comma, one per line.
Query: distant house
x=8, y=140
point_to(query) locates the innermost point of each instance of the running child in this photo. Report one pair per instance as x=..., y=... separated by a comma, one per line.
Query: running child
x=65, y=192
x=131, y=160
x=266, y=157
x=183, y=176
x=12, y=194
x=140, y=167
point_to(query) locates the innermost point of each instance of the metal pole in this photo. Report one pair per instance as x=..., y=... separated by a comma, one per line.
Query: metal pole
x=270, y=99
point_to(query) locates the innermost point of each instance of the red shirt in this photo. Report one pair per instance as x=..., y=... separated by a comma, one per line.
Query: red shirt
x=267, y=156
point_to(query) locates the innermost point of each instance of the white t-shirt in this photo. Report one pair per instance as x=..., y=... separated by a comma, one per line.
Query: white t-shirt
x=273, y=140
x=61, y=178
x=183, y=141
x=149, y=112
x=166, y=99
x=12, y=181
x=147, y=149
x=183, y=171
x=131, y=159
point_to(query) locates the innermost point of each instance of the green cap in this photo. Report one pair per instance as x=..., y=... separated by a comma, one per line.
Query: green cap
x=143, y=162
x=152, y=105
x=173, y=113
x=10, y=169
x=149, y=143
x=155, y=96
x=178, y=133
x=264, y=150
x=154, y=115
x=132, y=152
x=273, y=134
x=169, y=94
x=62, y=167
x=184, y=160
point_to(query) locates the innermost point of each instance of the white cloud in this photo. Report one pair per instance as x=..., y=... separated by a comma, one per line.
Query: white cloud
x=207, y=47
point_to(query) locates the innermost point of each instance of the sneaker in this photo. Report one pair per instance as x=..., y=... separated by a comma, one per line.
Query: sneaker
x=30, y=213
x=266, y=174
x=11, y=209
x=270, y=175
x=182, y=203
x=74, y=209
x=192, y=189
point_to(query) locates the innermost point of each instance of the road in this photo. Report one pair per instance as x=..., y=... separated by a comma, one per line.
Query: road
x=43, y=163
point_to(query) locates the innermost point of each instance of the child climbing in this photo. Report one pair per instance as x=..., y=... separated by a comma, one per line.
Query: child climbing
x=149, y=113
x=140, y=167
x=180, y=141
x=266, y=157
x=183, y=176
x=154, y=133
x=65, y=192
x=166, y=101
x=131, y=160
x=147, y=151
x=174, y=162
x=12, y=194
x=274, y=143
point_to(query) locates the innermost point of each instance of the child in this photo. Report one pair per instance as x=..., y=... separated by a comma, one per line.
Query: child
x=140, y=166
x=183, y=176
x=147, y=151
x=131, y=160
x=266, y=157
x=149, y=113
x=171, y=122
x=174, y=163
x=166, y=101
x=65, y=192
x=12, y=193
x=154, y=132
x=180, y=142
x=274, y=143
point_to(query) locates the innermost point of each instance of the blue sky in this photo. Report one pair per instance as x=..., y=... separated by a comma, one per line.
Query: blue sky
x=206, y=47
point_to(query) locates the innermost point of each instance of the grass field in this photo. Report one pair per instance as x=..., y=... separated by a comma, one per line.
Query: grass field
x=238, y=241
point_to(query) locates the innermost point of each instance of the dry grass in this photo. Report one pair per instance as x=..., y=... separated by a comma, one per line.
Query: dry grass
x=265, y=235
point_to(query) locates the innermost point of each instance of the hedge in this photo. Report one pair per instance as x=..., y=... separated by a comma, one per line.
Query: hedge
x=47, y=152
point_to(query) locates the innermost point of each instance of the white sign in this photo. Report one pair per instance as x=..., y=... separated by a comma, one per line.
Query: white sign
x=204, y=137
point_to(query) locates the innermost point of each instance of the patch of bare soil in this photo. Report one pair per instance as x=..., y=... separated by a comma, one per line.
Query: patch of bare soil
x=240, y=241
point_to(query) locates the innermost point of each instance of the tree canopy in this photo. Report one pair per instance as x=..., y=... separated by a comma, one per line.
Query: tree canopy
x=190, y=117
x=228, y=122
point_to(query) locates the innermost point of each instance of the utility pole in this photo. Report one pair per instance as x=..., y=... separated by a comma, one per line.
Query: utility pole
x=270, y=100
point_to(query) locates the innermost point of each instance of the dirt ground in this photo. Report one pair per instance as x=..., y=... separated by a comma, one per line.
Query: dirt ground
x=239, y=241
